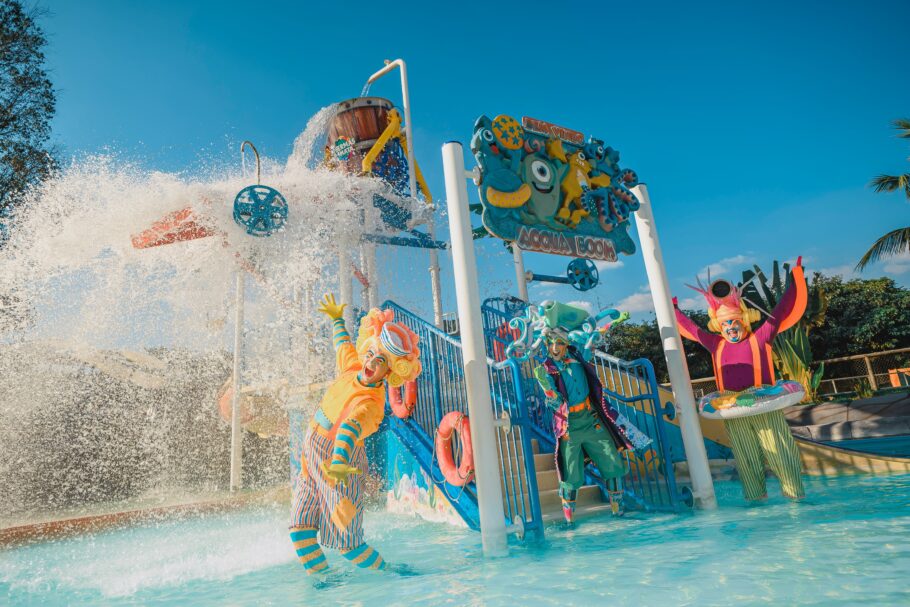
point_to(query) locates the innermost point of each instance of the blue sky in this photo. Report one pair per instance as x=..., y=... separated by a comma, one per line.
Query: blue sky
x=756, y=128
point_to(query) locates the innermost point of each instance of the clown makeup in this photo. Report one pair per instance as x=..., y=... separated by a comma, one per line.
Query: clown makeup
x=733, y=330
x=375, y=367
x=557, y=348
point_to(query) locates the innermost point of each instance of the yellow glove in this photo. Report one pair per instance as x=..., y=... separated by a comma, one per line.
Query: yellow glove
x=338, y=472
x=330, y=308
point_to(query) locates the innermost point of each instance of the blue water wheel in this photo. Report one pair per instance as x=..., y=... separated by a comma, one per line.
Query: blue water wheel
x=582, y=274
x=260, y=209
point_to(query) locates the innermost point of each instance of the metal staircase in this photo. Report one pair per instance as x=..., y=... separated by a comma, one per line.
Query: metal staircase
x=525, y=442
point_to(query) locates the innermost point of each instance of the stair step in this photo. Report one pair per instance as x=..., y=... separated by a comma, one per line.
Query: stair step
x=581, y=512
x=544, y=461
x=546, y=481
x=535, y=446
x=589, y=494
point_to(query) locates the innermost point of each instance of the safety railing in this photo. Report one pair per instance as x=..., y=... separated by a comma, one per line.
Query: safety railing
x=441, y=390
x=630, y=386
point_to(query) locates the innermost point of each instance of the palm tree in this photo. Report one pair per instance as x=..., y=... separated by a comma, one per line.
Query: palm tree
x=896, y=241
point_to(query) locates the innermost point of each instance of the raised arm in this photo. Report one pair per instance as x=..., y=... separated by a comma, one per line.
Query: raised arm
x=691, y=331
x=345, y=354
x=791, y=306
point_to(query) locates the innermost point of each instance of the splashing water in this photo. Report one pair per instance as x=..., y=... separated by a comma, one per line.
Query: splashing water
x=111, y=357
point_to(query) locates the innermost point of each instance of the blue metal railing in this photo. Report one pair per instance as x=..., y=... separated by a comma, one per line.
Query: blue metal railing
x=631, y=388
x=441, y=390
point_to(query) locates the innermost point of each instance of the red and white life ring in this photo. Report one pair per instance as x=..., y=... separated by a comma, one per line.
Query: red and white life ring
x=403, y=406
x=462, y=474
x=506, y=335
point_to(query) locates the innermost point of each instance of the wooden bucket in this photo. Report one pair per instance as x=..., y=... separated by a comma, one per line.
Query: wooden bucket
x=354, y=129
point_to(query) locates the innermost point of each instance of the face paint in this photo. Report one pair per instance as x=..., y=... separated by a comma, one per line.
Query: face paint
x=557, y=349
x=733, y=330
x=375, y=367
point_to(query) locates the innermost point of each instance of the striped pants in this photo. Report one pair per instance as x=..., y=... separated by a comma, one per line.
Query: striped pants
x=336, y=511
x=765, y=439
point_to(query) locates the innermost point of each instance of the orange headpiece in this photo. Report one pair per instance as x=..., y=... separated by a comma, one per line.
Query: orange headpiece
x=725, y=302
x=395, y=340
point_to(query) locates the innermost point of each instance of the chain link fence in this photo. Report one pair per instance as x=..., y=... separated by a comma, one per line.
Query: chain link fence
x=889, y=369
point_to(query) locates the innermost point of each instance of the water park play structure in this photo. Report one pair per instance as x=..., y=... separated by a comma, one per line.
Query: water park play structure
x=351, y=190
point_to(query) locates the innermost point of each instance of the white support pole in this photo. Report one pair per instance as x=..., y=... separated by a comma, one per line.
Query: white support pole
x=237, y=381
x=345, y=289
x=365, y=291
x=480, y=405
x=693, y=441
x=372, y=274
x=435, y=283
x=520, y=277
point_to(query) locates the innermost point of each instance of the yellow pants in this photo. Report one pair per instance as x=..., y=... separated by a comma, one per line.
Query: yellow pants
x=765, y=439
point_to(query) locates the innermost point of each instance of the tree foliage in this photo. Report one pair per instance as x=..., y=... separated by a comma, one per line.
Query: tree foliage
x=642, y=340
x=896, y=241
x=863, y=316
x=27, y=105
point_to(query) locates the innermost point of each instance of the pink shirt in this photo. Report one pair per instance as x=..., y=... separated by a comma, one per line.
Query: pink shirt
x=747, y=363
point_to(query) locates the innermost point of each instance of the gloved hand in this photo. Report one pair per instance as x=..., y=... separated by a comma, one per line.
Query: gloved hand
x=330, y=308
x=543, y=378
x=338, y=472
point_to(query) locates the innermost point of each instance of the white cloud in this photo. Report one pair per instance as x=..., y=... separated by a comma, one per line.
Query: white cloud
x=587, y=306
x=606, y=266
x=899, y=264
x=637, y=302
x=719, y=268
x=845, y=271
x=693, y=303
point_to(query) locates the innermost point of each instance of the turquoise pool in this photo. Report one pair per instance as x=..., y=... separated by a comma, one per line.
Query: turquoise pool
x=848, y=543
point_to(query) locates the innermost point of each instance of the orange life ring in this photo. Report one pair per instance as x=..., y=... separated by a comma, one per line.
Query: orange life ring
x=402, y=407
x=451, y=423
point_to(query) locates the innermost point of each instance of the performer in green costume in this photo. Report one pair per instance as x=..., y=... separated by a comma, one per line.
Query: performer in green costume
x=585, y=424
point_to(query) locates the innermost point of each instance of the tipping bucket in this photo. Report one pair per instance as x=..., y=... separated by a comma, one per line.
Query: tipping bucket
x=354, y=129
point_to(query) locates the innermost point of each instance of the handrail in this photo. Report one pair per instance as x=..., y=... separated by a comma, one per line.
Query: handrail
x=258, y=162
x=632, y=388
x=441, y=390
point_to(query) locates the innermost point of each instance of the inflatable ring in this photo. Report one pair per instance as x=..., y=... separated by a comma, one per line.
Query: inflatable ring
x=403, y=405
x=751, y=401
x=455, y=421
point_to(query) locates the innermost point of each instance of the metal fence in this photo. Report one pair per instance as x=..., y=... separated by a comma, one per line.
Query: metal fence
x=629, y=386
x=890, y=369
x=441, y=390
x=877, y=370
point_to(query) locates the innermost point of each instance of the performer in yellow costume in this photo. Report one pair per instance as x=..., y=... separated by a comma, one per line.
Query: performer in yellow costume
x=329, y=491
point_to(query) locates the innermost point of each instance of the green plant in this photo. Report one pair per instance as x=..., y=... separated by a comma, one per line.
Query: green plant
x=896, y=241
x=792, y=353
x=862, y=388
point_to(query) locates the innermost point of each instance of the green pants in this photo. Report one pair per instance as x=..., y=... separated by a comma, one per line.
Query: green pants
x=587, y=436
x=765, y=439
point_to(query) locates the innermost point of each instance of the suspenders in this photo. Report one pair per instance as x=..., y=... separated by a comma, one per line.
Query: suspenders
x=756, y=362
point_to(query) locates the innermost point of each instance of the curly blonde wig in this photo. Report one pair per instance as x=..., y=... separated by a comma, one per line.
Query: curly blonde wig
x=397, y=343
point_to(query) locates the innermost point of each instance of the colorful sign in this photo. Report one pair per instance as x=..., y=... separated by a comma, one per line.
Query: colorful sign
x=548, y=189
x=342, y=148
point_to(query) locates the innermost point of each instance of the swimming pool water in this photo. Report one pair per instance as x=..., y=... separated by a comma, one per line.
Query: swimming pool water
x=886, y=445
x=847, y=543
